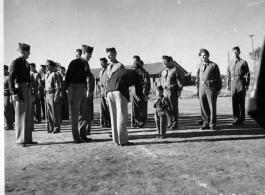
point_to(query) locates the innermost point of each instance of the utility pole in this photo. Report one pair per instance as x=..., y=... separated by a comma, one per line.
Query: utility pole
x=253, y=54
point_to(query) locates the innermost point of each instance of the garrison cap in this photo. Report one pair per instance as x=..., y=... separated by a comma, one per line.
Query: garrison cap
x=32, y=64
x=236, y=48
x=137, y=57
x=78, y=50
x=204, y=51
x=168, y=58
x=23, y=47
x=43, y=66
x=5, y=67
x=86, y=48
x=52, y=63
x=103, y=60
x=111, y=49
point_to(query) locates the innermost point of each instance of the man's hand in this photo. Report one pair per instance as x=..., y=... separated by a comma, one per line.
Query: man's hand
x=246, y=88
x=89, y=94
x=57, y=99
x=15, y=98
x=178, y=93
x=217, y=92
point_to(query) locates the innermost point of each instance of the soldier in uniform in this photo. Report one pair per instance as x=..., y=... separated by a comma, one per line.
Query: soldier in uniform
x=57, y=71
x=20, y=85
x=42, y=94
x=90, y=102
x=171, y=81
x=9, y=116
x=210, y=84
x=104, y=109
x=37, y=102
x=139, y=107
x=114, y=64
x=65, y=104
x=78, y=92
x=238, y=78
x=52, y=90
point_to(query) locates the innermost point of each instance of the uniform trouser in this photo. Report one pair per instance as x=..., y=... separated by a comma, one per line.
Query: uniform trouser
x=173, y=101
x=104, y=112
x=53, y=118
x=238, y=101
x=60, y=111
x=24, y=124
x=161, y=123
x=118, y=106
x=42, y=100
x=65, y=107
x=146, y=110
x=207, y=98
x=8, y=112
x=89, y=115
x=138, y=110
x=78, y=107
x=37, y=109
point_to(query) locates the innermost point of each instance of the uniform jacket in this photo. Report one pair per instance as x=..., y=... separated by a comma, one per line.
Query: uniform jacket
x=103, y=77
x=19, y=72
x=78, y=72
x=112, y=67
x=145, y=80
x=209, y=73
x=52, y=82
x=171, y=80
x=162, y=105
x=238, y=68
x=37, y=78
x=122, y=79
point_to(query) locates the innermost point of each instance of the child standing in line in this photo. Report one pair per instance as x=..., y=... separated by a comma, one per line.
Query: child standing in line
x=161, y=106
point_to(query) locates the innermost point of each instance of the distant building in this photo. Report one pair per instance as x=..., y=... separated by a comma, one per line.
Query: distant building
x=154, y=70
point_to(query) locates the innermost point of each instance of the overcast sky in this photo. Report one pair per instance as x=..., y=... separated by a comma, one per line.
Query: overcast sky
x=149, y=28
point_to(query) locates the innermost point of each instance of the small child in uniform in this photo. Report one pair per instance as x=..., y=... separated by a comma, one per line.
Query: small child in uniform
x=161, y=106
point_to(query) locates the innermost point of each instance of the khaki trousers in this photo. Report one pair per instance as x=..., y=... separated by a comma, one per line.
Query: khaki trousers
x=53, y=115
x=78, y=106
x=24, y=120
x=118, y=106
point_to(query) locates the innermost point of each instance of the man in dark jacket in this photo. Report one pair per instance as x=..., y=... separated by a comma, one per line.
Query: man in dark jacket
x=118, y=96
x=20, y=88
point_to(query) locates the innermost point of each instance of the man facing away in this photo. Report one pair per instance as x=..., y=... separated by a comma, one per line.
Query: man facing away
x=20, y=85
x=238, y=78
x=118, y=97
x=210, y=84
x=78, y=91
x=171, y=81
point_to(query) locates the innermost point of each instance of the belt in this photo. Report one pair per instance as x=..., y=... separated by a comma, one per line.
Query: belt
x=204, y=82
x=77, y=85
x=22, y=85
x=235, y=78
x=50, y=91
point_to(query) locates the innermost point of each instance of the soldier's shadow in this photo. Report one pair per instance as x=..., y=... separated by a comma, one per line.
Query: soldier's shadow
x=190, y=124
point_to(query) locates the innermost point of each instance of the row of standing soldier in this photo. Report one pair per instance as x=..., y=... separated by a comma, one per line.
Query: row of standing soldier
x=80, y=84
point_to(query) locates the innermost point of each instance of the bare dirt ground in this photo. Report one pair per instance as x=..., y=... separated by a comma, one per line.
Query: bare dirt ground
x=230, y=160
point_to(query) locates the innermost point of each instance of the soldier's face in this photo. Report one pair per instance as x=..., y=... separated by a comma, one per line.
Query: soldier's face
x=204, y=57
x=32, y=68
x=166, y=63
x=104, y=64
x=43, y=70
x=25, y=54
x=50, y=67
x=112, y=56
x=236, y=53
x=136, y=60
x=86, y=56
x=158, y=93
